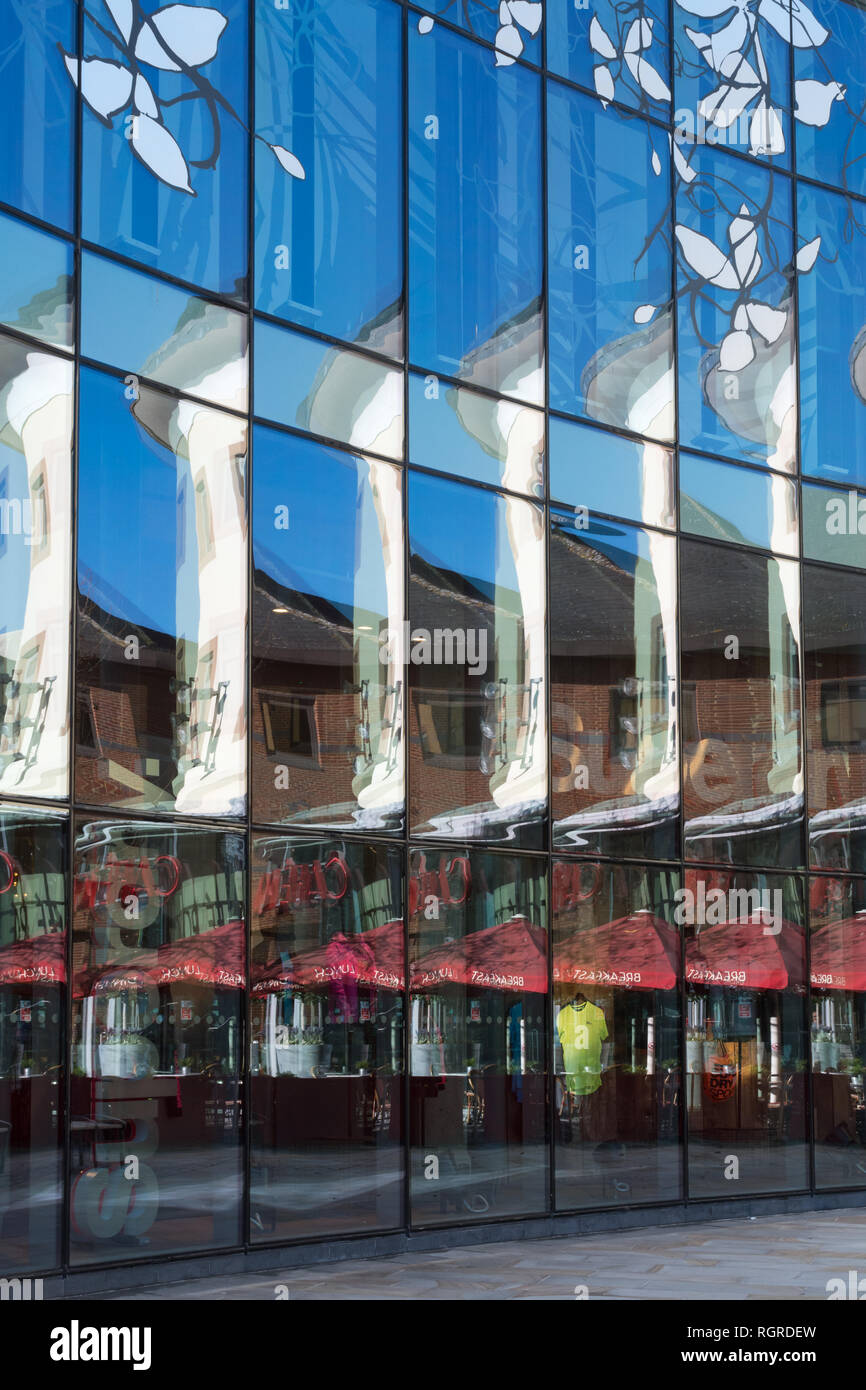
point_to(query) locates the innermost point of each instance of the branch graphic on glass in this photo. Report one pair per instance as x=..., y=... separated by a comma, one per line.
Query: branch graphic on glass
x=179, y=39
x=515, y=21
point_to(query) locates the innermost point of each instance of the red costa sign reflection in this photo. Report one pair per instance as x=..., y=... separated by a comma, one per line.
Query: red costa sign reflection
x=116, y=879
x=299, y=885
x=439, y=883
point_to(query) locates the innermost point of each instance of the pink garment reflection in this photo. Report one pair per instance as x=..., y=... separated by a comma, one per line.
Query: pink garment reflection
x=346, y=960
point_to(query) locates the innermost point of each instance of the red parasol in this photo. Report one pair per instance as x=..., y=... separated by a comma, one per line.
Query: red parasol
x=370, y=958
x=640, y=951
x=839, y=954
x=36, y=960
x=512, y=957
x=746, y=954
x=214, y=957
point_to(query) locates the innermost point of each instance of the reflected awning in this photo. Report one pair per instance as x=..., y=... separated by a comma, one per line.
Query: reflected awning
x=839, y=954
x=371, y=958
x=511, y=957
x=745, y=954
x=36, y=960
x=640, y=951
x=214, y=958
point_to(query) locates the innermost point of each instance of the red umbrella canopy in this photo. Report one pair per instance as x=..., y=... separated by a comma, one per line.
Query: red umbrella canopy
x=214, y=957
x=745, y=953
x=371, y=958
x=36, y=960
x=511, y=956
x=839, y=955
x=640, y=951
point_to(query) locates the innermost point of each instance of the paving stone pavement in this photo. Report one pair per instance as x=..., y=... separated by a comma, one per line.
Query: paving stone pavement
x=770, y=1257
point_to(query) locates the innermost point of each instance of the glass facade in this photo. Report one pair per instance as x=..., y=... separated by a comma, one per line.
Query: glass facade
x=432, y=615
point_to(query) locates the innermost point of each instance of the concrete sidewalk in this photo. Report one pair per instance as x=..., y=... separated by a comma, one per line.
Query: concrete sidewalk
x=771, y=1257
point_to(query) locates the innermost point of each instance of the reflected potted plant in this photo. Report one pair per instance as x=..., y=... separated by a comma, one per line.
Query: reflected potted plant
x=425, y=1054
x=695, y=1043
x=126, y=1055
x=301, y=1051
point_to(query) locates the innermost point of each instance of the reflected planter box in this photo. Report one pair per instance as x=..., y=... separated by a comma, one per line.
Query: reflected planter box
x=300, y=1059
x=126, y=1060
x=426, y=1059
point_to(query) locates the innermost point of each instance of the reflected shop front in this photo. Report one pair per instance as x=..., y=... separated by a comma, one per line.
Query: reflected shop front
x=432, y=620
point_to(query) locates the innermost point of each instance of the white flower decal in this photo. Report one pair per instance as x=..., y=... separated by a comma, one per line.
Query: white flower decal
x=174, y=38
x=626, y=53
x=517, y=18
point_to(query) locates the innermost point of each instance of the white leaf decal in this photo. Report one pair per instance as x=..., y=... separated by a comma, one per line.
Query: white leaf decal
x=808, y=255
x=192, y=34
x=528, y=13
x=646, y=77
x=766, y=135
x=705, y=257
x=157, y=148
x=508, y=44
x=726, y=104
x=640, y=35
x=681, y=164
x=425, y=24
x=121, y=13
x=603, y=79
x=737, y=351
x=644, y=313
x=106, y=87
x=599, y=40
x=744, y=242
x=143, y=98
x=290, y=162
x=718, y=48
x=707, y=9
x=814, y=100
x=769, y=322
x=795, y=24
x=656, y=163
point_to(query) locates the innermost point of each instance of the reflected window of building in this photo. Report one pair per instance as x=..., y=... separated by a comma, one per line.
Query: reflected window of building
x=36, y=409
x=162, y=564
x=329, y=237
x=38, y=299
x=742, y=773
x=156, y=1102
x=611, y=340
x=165, y=138
x=833, y=334
x=834, y=523
x=328, y=637
x=737, y=395
x=616, y=1034
x=163, y=334
x=33, y=883
x=599, y=471
x=834, y=622
x=475, y=253
x=326, y=1041
x=729, y=502
x=613, y=660
x=746, y=1055
x=310, y=385
x=475, y=663
x=37, y=105
x=478, y=1072
x=479, y=437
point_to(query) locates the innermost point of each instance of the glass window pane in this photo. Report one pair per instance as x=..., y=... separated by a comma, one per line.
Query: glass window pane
x=37, y=104
x=613, y=668
x=832, y=336
x=328, y=681
x=165, y=142
x=727, y=503
x=834, y=632
x=746, y=1041
x=33, y=878
x=604, y=46
x=478, y=985
x=456, y=430
x=157, y=1012
x=616, y=1041
x=35, y=570
x=329, y=237
x=611, y=344
x=514, y=29
x=740, y=706
x=834, y=523
x=737, y=392
x=475, y=653
x=475, y=254
x=37, y=298
x=341, y=395
x=838, y=1027
x=831, y=92
x=163, y=334
x=162, y=595
x=604, y=472
x=751, y=111
x=326, y=1060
